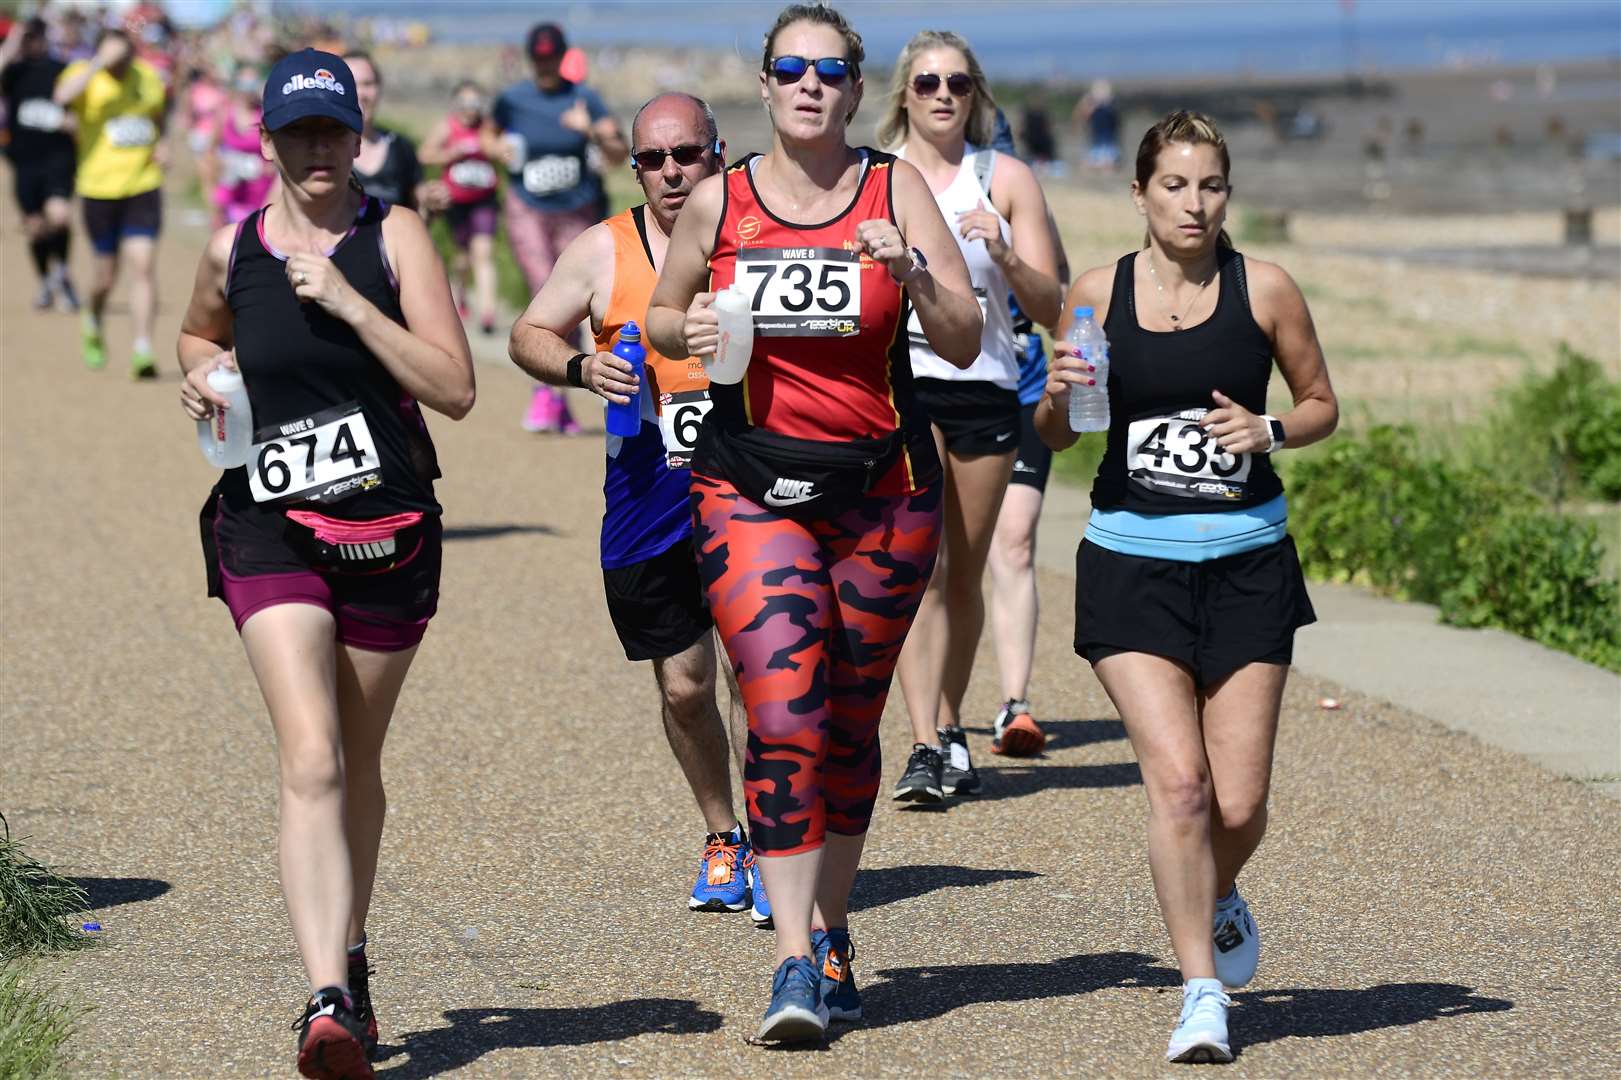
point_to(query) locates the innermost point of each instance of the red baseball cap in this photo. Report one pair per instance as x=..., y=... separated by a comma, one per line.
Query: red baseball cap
x=546, y=41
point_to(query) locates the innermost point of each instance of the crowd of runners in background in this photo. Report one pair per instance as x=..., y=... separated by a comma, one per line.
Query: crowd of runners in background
x=917, y=404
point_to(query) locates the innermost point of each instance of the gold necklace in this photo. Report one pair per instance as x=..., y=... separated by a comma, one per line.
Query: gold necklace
x=1176, y=320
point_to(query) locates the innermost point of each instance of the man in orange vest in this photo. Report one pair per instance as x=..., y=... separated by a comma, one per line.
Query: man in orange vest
x=649, y=570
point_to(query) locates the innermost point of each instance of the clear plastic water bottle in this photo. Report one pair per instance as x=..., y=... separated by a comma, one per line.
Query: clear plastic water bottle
x=736, y=319
x=226, y=437
x=626, y=420
x=1089, y=405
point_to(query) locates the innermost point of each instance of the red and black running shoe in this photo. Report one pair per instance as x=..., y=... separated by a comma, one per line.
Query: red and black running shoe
x=330, y=1038
x=360, y=973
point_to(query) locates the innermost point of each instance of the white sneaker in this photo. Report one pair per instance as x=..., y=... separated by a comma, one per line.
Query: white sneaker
x=1201, y=1035
x=1237, y=942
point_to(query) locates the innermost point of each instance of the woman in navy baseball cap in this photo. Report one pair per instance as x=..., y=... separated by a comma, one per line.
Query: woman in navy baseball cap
x=325, y=546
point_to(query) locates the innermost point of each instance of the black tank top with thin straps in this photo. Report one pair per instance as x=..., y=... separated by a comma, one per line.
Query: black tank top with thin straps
x=1158, y=460
x=333, y=430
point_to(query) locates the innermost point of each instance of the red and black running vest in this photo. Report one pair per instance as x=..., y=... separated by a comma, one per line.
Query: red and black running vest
x=830, y=360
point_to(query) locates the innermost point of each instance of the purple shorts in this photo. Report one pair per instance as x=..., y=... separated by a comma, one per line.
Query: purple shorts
x=467, y=220
x=380, y=600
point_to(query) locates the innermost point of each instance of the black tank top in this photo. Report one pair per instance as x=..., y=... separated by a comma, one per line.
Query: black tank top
x=332, y=428
x=1158, y=460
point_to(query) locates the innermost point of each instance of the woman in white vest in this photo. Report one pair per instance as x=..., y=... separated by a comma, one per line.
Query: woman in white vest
x=940, y=117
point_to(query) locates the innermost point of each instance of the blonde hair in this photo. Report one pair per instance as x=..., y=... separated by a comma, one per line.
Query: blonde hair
x=1182, y=126
x=981, y=117
x=819, y=15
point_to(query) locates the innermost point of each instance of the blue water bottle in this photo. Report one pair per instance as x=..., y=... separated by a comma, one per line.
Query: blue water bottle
x=626, y=420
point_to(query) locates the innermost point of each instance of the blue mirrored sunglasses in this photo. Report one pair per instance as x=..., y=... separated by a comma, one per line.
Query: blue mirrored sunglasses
x=832, y=70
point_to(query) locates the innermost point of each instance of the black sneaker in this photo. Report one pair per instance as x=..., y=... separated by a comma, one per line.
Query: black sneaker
x=921, y=780
x=958, y=775
x=360, y=972
x=331, y=1039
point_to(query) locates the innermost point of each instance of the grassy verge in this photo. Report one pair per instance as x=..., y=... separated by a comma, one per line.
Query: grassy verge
x=37, y=910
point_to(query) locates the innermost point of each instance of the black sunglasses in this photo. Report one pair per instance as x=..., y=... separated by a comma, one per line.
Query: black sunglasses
x=832, y=70
x=690, y=154
x=928, y=82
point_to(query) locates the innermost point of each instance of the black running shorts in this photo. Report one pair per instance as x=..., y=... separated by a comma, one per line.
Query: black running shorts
x=975, y=417
x=39, y=182
x=110, y=221
x=657, y=605
x=1035, y=460
x=1211, y=617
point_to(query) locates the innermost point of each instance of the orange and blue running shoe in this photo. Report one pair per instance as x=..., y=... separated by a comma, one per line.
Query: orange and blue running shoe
x=796, y=1013
x=835, y=952
x=723, y=879
x=759, y=901
x=331, y=1039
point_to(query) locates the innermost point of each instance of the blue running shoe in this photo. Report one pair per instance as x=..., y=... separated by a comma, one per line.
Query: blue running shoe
x=760, y=910
x=834, y=954
x=796, y=1013
x=723, y=883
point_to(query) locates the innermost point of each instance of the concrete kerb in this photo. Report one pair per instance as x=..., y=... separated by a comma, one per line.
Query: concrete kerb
x=1509, y=692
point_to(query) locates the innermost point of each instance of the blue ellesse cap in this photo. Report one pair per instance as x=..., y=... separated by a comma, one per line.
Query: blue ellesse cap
x=311, y=83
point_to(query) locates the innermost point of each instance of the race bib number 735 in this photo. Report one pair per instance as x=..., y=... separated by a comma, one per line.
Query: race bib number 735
x=1174, y=455
x=802, y=292
x=320, y=458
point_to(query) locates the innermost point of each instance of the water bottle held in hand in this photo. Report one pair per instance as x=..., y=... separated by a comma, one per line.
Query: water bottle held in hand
x=1089, y=405
x=226, y=437
x=626, y=420
x=736, y=318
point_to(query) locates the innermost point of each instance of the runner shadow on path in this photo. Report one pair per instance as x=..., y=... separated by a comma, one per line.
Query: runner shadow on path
x=910, y=995
x=106, y=892
x=1013, y=781
x=490, y=532
x=475, y=1032
x=1266, y=1015
x=889, y=884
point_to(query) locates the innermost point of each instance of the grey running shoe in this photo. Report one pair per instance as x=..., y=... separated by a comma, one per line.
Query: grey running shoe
x=921, y=780
x=958, y=777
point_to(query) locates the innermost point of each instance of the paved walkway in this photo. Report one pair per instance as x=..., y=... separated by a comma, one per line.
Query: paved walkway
x=1431, y=904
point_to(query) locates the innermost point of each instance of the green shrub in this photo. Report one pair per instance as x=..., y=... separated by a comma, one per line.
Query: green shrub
x=1559, y=433
x=1374, y=509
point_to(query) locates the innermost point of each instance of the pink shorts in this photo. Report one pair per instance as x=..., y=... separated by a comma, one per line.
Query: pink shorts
x=257, y=560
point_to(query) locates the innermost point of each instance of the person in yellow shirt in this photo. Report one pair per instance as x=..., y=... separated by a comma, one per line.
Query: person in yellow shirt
x=120, y=104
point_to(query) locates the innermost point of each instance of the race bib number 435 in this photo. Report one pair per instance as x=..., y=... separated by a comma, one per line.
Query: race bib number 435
x=320, y=458
x=802, y=292
x=1174, y=455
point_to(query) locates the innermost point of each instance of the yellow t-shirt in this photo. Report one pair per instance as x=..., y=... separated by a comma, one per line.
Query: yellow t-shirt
x=120, y=121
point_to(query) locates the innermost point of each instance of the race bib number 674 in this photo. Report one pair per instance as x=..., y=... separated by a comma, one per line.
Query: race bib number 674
x=324, y=457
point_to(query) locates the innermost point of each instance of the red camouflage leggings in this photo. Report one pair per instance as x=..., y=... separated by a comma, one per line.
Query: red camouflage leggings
x=813, y=617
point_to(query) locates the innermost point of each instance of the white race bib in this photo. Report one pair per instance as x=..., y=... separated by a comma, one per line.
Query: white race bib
x=681, y=416
x=41, y=114
x=127, y=132
x=320, y=458
x=551, y=174
x=802, y=292
x=474, y=174
x=239, y=167
x=914, y=325
x=1174, y=455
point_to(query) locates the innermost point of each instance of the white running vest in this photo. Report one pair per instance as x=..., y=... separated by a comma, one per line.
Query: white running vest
x=998, y=361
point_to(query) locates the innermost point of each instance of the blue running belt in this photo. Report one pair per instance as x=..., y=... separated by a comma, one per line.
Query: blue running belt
x=1190, y=537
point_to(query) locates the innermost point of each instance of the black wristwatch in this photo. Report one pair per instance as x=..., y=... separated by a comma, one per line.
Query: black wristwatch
x=1276, y=427
x=576, y=376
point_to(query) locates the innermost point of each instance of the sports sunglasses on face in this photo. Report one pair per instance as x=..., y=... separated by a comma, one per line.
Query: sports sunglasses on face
x=689, y=154
x=832, y=70
x=927, y=82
